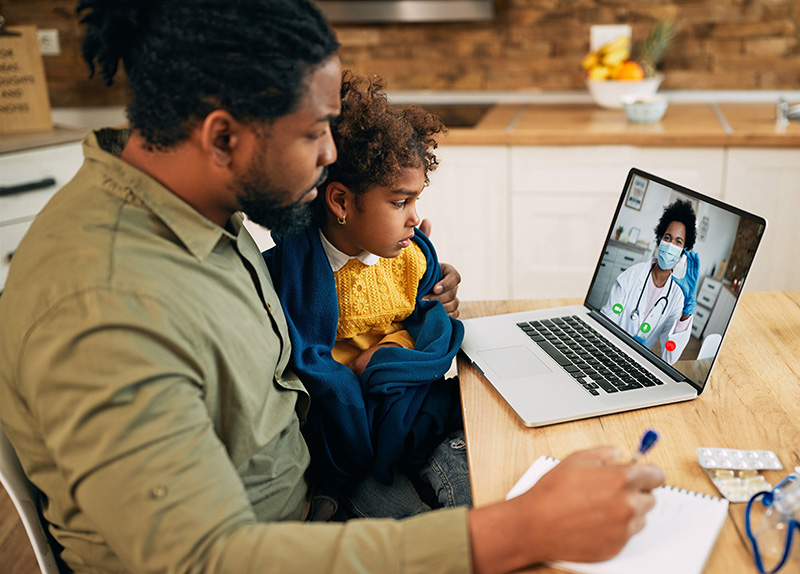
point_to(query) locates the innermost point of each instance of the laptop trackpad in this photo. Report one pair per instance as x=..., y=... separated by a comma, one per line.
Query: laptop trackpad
x=514, y=363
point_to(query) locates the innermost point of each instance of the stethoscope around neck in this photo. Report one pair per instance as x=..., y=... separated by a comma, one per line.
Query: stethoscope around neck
x=665, y=298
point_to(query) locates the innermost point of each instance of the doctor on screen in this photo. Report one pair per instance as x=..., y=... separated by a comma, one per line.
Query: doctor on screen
x=654, y=301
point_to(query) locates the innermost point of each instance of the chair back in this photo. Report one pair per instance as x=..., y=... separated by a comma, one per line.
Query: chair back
x=25, y=498
x=710, y=346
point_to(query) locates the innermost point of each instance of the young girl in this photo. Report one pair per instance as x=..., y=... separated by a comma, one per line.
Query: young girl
x=384, y=427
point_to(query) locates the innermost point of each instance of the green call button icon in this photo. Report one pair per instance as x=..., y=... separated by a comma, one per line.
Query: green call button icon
x=645, y=328
x=617, y=309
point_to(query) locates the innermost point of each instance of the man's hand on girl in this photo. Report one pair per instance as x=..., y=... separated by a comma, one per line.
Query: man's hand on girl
x=445, y=290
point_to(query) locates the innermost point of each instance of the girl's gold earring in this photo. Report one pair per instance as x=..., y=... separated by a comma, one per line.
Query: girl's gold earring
x=342, y=220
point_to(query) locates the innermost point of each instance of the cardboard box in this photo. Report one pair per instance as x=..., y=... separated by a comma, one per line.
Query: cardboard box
x=24, y=100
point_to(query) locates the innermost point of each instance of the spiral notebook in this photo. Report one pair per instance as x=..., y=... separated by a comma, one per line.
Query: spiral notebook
x=681, y=531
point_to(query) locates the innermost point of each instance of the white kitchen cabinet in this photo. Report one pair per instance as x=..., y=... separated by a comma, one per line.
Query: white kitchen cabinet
x=766, y=181
x=467, y=203
x=701, y=315
x=706, y=297
x=708, y=292
x=44, y=170
x=563, y=199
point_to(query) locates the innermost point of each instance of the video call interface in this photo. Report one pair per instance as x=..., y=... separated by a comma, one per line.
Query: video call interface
x=644, y=282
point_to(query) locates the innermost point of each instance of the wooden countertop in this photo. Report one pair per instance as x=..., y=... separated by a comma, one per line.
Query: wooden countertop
x=29, y=140
x=554, y=124
x=683, y=125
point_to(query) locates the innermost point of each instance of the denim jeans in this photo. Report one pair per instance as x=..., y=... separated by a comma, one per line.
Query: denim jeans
x=446, y=472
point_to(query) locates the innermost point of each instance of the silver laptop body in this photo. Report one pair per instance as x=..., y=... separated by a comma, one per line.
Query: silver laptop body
x=530, y=358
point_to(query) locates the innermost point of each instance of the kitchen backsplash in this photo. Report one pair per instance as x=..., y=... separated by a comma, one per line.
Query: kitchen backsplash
x=531, y=44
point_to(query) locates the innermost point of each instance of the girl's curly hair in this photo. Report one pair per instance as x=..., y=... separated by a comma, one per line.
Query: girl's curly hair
x=375, y=141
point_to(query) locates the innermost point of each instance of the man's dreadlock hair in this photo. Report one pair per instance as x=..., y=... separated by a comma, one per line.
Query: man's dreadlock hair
x=186, y=58
x=376, y=141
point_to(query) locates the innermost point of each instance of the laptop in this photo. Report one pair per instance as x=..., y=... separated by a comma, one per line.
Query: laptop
x=630, y=345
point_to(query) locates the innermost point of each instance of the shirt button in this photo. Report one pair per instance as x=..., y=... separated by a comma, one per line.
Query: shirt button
x=158, y=492
x=277, y=375
x=269, y=307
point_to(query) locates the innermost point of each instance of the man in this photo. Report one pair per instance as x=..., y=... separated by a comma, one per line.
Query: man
x=143, y=349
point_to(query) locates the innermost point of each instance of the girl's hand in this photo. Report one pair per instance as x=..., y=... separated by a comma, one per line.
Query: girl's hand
x=361, y=361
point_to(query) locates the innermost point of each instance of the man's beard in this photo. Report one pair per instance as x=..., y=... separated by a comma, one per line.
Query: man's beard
x=268, y=212
x=259, y=200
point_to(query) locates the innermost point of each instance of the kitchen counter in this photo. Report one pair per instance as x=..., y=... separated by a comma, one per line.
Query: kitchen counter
x=693, y=119
x=685, y=124
x=32, y=140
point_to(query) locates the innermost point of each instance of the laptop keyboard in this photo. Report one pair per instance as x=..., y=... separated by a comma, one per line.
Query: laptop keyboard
x=589, y=358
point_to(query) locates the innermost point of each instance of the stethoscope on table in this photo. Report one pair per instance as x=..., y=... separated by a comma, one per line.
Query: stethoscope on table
x=635, y=312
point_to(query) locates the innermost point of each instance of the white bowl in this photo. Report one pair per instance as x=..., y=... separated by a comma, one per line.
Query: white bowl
x=607, y=93
x=646, y=108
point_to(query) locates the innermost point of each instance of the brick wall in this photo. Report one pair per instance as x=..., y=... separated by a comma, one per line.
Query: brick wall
x=723, y=44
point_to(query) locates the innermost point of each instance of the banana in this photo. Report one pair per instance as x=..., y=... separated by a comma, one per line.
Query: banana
x=589, y=61
x=599, y=73
x=615, y=44
x=615, y=58
x=615, y=52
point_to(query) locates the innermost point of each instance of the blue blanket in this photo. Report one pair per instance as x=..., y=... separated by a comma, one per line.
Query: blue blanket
x=393, y=415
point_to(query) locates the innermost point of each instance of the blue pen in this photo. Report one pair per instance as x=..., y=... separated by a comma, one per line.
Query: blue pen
x=649, y=438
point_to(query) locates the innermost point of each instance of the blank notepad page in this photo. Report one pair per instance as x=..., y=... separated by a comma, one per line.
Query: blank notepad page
x=681, y=531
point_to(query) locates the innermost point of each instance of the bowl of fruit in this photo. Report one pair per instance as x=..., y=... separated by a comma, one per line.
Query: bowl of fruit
x=613, y=71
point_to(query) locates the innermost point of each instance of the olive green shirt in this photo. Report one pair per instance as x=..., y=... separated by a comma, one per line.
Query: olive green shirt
x=143, y=383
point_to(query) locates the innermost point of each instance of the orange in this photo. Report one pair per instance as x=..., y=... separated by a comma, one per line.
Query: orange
x=630, y=70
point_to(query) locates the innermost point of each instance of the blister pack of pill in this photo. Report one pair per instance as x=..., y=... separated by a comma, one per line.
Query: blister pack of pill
x=735, y=472
x=736, y=459
x=738, y=485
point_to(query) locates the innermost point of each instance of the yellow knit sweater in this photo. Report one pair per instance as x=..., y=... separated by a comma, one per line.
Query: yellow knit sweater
x=374, y=300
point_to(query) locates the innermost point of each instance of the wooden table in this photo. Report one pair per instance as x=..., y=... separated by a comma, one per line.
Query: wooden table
x=751, y=402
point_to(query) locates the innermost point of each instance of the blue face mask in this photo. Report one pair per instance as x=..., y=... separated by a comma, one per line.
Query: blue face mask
x=668, y=255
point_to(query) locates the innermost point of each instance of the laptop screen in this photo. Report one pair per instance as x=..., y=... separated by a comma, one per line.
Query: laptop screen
x=672, y=271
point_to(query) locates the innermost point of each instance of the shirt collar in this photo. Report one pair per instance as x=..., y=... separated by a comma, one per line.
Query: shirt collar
x=338, y=259
x=199, y=234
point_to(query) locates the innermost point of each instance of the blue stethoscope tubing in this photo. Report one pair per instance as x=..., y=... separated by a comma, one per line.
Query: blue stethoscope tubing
x=635, y=312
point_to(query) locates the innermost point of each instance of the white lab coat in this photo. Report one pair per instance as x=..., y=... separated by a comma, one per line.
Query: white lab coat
x=665, y=326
